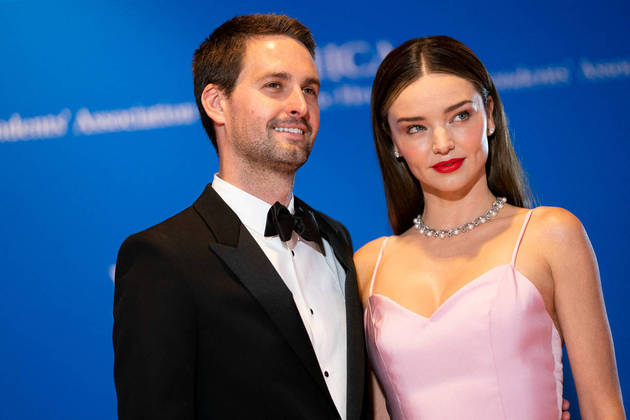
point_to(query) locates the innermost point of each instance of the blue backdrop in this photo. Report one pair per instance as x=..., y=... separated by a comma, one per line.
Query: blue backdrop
x=99, y=138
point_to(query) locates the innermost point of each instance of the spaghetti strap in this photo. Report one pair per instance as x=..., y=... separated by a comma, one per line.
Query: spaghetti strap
x=378, y=261
x=520, y=236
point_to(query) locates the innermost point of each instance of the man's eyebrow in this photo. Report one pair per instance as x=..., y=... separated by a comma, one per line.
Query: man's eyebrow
x=286, y=76
x=312, y=81
x=446, y=111
x=277, y=75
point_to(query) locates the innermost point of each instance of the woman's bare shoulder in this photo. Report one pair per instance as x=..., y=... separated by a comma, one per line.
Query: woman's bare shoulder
x=370, y=248
x=366, y=256
x=556, y=224
x=365, y=260
x=559, y=236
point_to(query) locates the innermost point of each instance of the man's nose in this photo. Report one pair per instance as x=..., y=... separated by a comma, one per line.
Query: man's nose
x=442, y=141
x=296, y=103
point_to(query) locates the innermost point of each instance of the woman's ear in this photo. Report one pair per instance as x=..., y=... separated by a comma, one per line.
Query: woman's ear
x=491, y=126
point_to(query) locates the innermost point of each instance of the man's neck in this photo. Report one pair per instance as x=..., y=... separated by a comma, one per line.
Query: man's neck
x=268, y=186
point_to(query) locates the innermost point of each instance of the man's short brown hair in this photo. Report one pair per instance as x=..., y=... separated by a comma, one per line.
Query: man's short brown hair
x=218, y=59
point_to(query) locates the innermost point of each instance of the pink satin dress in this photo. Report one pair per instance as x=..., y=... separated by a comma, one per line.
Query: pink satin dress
x=490, y=351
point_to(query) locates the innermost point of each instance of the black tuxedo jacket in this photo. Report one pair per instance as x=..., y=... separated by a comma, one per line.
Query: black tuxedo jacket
x=204, y=327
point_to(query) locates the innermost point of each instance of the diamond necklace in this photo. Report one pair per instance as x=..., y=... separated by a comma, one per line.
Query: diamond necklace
x=466, y=227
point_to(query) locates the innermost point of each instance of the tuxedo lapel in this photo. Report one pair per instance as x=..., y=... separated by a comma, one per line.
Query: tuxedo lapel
x=356, y=347
x=342, y=247
x=235, y=246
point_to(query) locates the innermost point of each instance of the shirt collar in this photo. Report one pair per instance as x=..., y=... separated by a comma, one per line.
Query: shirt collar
x=251, y=210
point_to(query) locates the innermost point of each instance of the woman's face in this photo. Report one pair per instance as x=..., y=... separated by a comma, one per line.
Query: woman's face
x=439, y=125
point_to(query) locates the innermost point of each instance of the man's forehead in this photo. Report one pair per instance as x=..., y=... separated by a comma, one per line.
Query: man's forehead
x=269, y=41
x=277, y=54
x=270, y=46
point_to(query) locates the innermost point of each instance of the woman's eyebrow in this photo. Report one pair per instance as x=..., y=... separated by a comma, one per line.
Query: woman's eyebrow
x=446, y=111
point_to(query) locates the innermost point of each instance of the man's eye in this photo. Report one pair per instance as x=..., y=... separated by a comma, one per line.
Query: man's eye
x=273, y=85
x=309, y=91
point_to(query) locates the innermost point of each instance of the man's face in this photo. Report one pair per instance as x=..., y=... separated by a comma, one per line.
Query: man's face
x=272, y=115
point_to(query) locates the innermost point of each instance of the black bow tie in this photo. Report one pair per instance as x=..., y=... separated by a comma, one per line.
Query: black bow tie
x=282, y=223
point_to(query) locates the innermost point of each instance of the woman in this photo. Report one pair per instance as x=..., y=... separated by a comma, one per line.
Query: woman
x=467, y=305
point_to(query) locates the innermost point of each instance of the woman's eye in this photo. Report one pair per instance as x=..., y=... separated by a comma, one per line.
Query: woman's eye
x=412, y=129
x=462, y=116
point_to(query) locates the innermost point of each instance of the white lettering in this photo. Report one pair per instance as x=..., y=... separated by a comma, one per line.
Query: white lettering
x=134, y=119
x=345, y=95
x=605, y=69
x=523, y=78
x=351, y=60
x=39, y=127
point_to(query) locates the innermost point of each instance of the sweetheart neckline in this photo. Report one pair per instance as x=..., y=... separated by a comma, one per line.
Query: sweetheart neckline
x=457, y=292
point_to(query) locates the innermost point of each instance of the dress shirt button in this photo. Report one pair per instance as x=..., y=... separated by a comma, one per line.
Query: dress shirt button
x=326, y=373
x=293, y=253
x=311, y=309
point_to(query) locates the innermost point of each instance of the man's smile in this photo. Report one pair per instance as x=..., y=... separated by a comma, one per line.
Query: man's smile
x=289, y=130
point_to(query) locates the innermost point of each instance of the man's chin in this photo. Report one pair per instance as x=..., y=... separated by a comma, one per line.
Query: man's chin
x=297, y=154
x=283, y=156
x=292, y=165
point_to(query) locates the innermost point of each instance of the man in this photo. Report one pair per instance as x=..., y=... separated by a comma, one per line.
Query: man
x=234, y=308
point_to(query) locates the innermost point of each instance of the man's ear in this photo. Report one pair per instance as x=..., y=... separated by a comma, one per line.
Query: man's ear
x=213, y=101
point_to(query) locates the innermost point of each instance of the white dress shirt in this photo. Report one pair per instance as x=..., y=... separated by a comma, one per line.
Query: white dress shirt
x=317, y=283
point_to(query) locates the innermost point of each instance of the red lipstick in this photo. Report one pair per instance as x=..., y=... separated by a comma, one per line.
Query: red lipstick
x=448, y=165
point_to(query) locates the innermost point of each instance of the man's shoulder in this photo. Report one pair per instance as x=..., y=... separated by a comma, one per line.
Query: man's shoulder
x=177, y=225
x=178, y=232
x=162, y=239
x=181, y=240
x=184, y=226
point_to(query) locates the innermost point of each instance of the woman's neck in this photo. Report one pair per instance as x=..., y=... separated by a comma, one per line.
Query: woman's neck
x=447, y=210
